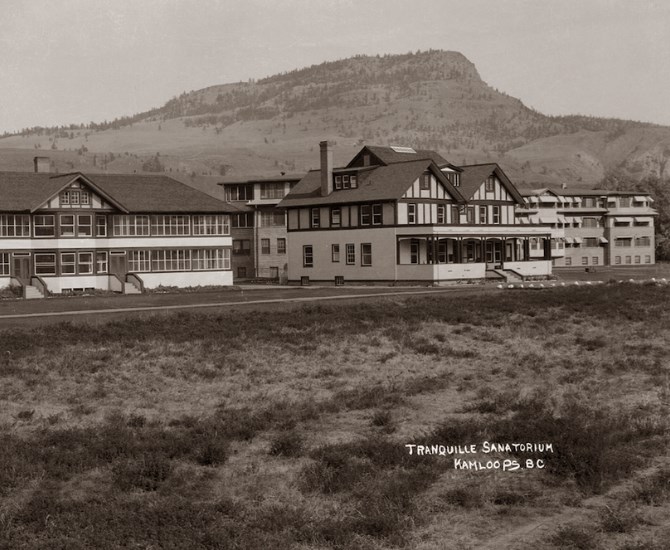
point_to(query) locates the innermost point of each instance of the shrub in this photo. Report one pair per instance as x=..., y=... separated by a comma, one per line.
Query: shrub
x=145, y=473
x=287, y=443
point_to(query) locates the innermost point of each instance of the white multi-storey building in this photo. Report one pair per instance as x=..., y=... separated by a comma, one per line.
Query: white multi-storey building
x=126, y=232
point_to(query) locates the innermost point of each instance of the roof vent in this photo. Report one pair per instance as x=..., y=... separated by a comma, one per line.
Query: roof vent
x=399, y=149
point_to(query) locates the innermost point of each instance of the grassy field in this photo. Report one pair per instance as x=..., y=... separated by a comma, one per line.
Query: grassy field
x=279, y=430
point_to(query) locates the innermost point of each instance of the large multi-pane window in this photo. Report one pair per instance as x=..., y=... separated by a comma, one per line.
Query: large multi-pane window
x=496, y=214
x=170, y=225
x=67, y=225
x=243, y=192
x=130, y=226
x=139, y=260
x=75, y=197
x=335, y=216
x=210, y=259
x=623, y=242
x=44, y=225
x=101, y=226
x=273, y=219
x=624, y=202
x=272, y=190
x=242, y=247
x=45, y=264
x=4, y=263
x=366, y=214
x=79, y=225
x=243, y=220
x=84, y=225
x=85, y=263
x=68, y=263
x=170, y=260
x=211, y=224
x=14, y=225
x=590, y=242
x=643, y=241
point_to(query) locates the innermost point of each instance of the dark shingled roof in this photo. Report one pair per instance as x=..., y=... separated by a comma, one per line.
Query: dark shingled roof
x=26, y=191
x=378, y=184
x=267, y=179
x=579, y=191
x=475, y=175
x=388, y=156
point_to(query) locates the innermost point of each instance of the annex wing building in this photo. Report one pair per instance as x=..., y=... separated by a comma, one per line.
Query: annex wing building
x=396, y=214
x=119, y=232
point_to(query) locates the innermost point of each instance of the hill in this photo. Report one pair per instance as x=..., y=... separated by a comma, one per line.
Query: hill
x=434, y=99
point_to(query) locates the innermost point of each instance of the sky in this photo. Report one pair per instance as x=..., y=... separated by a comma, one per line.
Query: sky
x=77, y=61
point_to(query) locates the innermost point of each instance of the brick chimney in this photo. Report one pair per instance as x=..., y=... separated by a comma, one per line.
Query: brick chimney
x=326, y=168
x=42, y=165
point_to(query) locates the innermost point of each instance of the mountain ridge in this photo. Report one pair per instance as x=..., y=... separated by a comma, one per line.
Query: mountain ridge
x=430, y=100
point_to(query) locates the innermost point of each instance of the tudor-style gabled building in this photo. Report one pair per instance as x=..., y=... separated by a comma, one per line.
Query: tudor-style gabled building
x=399, y=214
x=121, y=232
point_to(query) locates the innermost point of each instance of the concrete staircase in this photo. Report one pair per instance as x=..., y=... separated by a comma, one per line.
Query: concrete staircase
x=130, y=288
x=31, y=292
x=509, y=276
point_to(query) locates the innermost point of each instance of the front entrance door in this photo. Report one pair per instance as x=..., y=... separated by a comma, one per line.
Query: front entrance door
x=494, y=253
x=21, y=265
x=117, y=265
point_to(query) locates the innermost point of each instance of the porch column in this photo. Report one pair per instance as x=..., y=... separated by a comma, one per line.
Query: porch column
x=526, y=248
x=458, y=253
x=547, y=248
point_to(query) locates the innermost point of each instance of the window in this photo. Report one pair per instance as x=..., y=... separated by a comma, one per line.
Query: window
x=170, y=260
x=496, y=214
x=85, y=263
x=424, y=181
x=335, y=253
x=45, y=264
x=243, y=220
x=130, y=226
x=170, y=225
x=366, y=254
x=316, y=217
x=335, y=216
x=590, y=242
x=272, y=190
x=470, y=214
x=624, y=202
x=441, y=214
x=411, y=213
x=75, y=197
x=643, y=241
x=585, y=260
x=623, y=242
x=455, y=178
x=338, y=182
x=588, y=202
x=67, y=226
x=455, y=215
x=307, y=256
x=101, y=226
x=281, y=246
x=239, y=192
x=101, y=262
x=568, y=261
x=617, y=260
x=14, y=226
x=490, y=184
x=68, y=263
x=637, y=259
x=210, y=259
x=414, y=251
x=218, y=224
x=140, y=260
x=84, y=225
x=354, y=181
x=242, y=247
x=351, y=254
x=365, y=214
x=589, y=222
x=345, y=182
x=273, y=219
x=376, y=214
x=85, y=197
x=647, y=259
x=594, y=260
x=627, y=259
x=483, y=215
x=44, y=226
x=265, y=246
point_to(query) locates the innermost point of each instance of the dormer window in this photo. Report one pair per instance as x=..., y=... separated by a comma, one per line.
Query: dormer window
x=338, y=182
x=354, y=182
x=345, y=182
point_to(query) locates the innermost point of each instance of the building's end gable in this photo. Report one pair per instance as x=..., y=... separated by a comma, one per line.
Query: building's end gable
x=474, y=180
x=432, y=184
x=78, y=192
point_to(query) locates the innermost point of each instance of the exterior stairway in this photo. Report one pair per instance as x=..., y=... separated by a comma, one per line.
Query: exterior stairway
x=30, y=292
x=130, y=288
x=509, y=276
